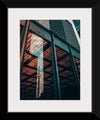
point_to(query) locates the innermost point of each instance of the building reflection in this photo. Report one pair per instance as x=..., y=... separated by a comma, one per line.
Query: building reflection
x=37, y=70
x=37, y=76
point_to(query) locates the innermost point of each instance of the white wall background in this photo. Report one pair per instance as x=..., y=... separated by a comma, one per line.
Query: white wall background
x=14, y=102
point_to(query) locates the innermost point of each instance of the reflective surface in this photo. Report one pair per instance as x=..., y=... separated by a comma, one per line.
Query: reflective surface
x=66, y=76
x=36, y=79
x=37, y=75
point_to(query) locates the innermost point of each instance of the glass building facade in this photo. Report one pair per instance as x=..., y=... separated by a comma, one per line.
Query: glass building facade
x=49, y=60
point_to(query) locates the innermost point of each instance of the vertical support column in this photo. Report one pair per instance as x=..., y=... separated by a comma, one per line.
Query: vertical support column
x=55, y=70
x=23, y=44
x=77, y=81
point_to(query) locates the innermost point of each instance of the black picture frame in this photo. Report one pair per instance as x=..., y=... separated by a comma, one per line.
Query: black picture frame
x=95, y=5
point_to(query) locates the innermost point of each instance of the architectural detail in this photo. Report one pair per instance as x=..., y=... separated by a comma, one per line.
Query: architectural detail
x=50, y=68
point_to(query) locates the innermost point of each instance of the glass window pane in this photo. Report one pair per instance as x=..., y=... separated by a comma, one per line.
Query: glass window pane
x=66, y=76
x=37, y=75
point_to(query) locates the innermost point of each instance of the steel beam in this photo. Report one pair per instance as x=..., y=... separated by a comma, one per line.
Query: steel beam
x=55, y=70
x=23, y=44
x=77, y=81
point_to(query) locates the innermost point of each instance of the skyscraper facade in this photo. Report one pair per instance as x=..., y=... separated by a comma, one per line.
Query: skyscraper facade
x=49, y=60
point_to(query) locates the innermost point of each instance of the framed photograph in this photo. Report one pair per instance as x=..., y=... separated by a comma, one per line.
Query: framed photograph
x=50, y=59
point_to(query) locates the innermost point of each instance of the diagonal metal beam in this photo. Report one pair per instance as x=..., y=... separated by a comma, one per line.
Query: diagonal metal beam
x=25, y=74
x=47, y=77
x=28, y=85
x=66, y=68
x=28, y=52
x=47, y=60
x=30, y=67
x=62, y=57
x=48, y=72
x=29, y=60
x=47, y=66
x=29, y=77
